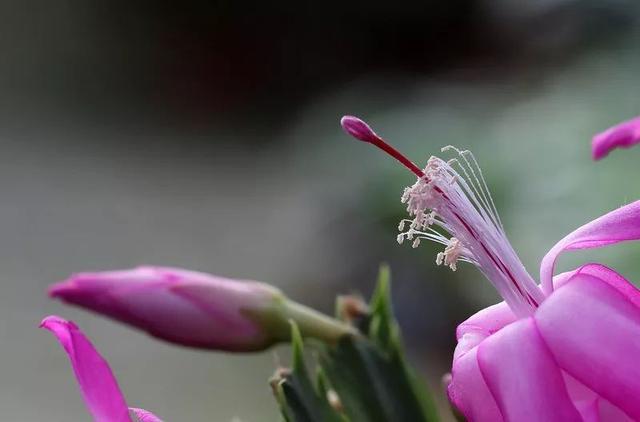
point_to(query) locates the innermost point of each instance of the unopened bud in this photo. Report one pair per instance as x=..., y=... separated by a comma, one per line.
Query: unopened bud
x=196, y=309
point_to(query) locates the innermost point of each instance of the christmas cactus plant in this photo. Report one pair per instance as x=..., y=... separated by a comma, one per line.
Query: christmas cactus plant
x=561, y=347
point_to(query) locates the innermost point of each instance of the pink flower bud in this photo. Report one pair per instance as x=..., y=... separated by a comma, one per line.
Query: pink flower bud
x=185, y=307
x=196, y=309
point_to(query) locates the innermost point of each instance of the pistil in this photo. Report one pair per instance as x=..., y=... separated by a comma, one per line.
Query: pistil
x=460, y=204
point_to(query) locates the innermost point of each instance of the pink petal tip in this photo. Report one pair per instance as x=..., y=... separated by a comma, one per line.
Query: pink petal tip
x=622, y=135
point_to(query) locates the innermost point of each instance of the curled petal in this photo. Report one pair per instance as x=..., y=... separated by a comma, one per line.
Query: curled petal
x=612, y=278
x=592, y=329
x=98, y=386
x=616, y=226
x=523, y=376
x=622, y=135
x=481, y=325
x=493, y=318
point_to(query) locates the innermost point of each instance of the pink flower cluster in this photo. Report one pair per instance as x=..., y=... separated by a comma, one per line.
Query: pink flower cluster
x=561, y=350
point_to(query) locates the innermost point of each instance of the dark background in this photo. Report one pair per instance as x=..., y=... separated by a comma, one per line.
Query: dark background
x=205, y=135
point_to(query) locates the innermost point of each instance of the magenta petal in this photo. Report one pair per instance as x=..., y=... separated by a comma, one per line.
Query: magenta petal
x=609, y=413
x=622, y=135
x=468, y=391
x=98, y=386
x=523, y=376
x=481, y=325
x=489, y=320
x=612, y=278
x=617, y=226
x=593, y=332
x=145, y=415
x=591, y=406
x=584, y=399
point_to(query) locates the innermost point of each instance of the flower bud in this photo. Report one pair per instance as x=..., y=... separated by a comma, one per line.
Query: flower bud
x=196, y=309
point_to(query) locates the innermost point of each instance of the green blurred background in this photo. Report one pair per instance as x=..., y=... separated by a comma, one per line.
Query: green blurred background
x=204, y=134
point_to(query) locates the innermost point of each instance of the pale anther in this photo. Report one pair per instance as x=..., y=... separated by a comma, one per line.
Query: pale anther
x=451, y=254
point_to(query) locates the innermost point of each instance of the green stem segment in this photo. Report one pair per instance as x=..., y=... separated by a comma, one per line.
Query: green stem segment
x=315, y=324
x=275, y=315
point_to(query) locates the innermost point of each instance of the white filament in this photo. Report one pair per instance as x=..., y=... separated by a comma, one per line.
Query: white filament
x=460, y=204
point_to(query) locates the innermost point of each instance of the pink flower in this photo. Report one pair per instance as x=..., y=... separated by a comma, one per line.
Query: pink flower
x=563, y=350
x=195, y=309
x=622, y=135
x=98, y=386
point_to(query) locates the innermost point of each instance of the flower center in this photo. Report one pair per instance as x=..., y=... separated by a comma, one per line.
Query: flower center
x=452, y=198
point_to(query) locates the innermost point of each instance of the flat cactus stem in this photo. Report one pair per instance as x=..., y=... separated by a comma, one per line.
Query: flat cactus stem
x=362, y=378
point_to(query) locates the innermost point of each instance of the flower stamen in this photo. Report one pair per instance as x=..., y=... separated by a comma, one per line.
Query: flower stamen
x=451, y=254
x=453, y=197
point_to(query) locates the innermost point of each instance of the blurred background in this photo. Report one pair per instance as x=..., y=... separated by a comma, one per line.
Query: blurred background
x=204, y=134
